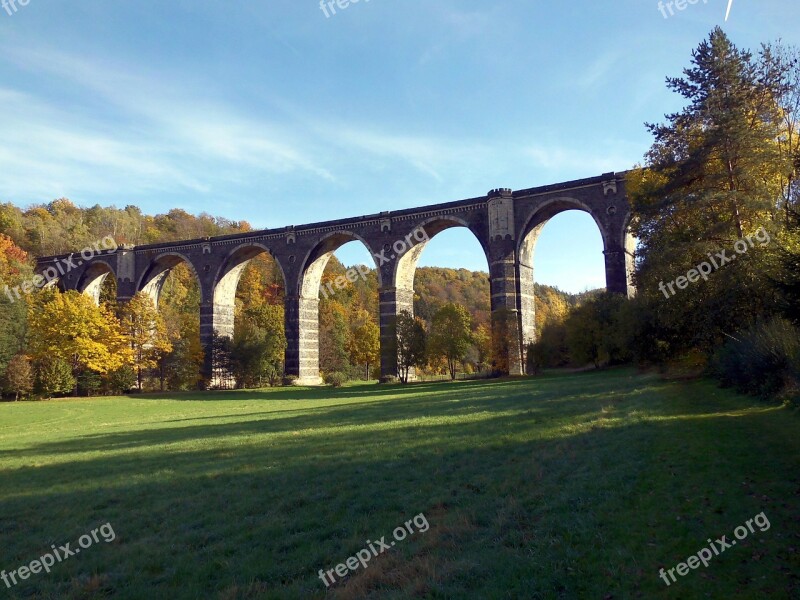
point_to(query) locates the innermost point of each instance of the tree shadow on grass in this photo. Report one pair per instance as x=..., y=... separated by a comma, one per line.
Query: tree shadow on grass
x=438, y=402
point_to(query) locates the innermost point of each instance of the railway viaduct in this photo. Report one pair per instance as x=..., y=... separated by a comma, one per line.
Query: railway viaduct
x=506, y=223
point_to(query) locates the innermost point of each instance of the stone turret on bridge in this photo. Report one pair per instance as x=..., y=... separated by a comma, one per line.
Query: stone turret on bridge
x=506, y=223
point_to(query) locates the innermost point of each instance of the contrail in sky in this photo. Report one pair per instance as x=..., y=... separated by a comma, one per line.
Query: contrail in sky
x=730, y=5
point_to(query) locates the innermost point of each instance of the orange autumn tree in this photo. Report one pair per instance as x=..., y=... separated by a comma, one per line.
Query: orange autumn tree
x=13, y=260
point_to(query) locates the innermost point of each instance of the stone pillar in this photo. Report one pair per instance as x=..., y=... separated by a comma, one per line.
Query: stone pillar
x=207, y=340
x=527, y=304
x=214, y=318
x=302, y=339
x=619, y=244
x=126, y=274
x=506, y=286
x=617, y=271
x=392, y=302
x=506, y=323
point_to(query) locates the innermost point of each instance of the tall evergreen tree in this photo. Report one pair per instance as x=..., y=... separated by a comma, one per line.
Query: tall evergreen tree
x=713, y=178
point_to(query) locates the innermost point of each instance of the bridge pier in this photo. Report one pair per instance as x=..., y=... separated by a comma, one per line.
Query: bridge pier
x=619, y=266
x=302, y=339
x=216, y=320
x=507, y=331
x=393, y=301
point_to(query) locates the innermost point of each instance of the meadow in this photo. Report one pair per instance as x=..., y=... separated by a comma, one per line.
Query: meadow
x=561, y=486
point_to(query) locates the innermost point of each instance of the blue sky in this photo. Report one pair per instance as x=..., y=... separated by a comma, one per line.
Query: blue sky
x=273, y=113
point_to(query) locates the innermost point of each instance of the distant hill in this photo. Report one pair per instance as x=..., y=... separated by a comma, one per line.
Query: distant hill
x=435, y=286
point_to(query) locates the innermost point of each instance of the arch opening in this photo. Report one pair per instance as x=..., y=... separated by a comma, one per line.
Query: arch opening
x=349, y=313
x=450, y=266
x=338, y=306
x=174, y=288
x=249, y=320
x=98, y=282
x=342, y=243
x=562, y=259
x=160, y=270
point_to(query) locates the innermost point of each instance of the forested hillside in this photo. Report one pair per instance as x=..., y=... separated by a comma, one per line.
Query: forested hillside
x=60, y=226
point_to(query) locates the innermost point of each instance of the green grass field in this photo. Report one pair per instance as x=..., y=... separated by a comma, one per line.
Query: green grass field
x=565, y=486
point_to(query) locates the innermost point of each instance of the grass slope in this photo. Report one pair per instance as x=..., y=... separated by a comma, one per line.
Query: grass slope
x=579, y=486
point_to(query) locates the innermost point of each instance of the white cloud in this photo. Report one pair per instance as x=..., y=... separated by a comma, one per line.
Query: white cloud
x=164, y=137
x=560, y=159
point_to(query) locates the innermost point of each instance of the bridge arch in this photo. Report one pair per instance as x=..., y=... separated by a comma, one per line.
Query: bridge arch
x=226, y=283
x=315, y=261
x=406, y=264
x=540, y=217
x=93, y=277
x=158, y=269
x=615, y=239
x=305, y=301
x=399, y=297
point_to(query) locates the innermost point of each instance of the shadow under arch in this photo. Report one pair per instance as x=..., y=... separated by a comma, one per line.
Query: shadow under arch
x=152, y=280
x=92, y=279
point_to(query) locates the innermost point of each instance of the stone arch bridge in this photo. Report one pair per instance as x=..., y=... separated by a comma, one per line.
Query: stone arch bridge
x=506, y=223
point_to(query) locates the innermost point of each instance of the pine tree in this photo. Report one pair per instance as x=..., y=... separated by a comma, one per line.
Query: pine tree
x=713, y=178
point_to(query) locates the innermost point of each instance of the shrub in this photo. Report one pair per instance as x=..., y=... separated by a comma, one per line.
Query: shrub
x=53, y=376
x=549, y=350
x=390, y=379
x=89, y=382
x=336, y=379
x=289, y=380
x=19, y=376
x=356, y=373
x=121, y=381
x=762, y=360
